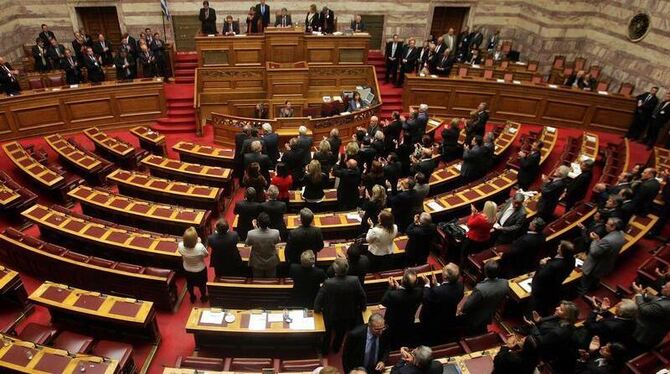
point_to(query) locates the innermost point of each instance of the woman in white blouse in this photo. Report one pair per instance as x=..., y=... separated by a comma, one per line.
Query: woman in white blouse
x=193, y=254
x=380, y=239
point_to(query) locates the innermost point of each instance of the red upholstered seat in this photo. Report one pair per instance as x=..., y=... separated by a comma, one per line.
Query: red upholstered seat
x=76, y=256
x=38, y=334
x=645, y=363
x=129, y=267
x=97, y=261
x=157, y=271
x=249, y=364
x=447, y=350
x=53, y=249
x=30, y=241
x=35, y=83
x=200, y=363
x=482, y=342
x=73, y=342
x=121, y=352
x=301, y=365
x=13, y=233
x=56, y=80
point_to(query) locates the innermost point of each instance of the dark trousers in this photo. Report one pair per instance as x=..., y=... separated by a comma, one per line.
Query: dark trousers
x=636, y=129
x=391, y=69
x=404, y=70
x=197, y=279
x=335, y=331
x=663, y=217
x=587, y=283
x=652, y=132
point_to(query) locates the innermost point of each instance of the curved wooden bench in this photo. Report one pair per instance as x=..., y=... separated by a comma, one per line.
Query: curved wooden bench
x=92, y=167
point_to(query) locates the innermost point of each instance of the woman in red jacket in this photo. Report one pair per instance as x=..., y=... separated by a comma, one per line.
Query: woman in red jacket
x=479, y=226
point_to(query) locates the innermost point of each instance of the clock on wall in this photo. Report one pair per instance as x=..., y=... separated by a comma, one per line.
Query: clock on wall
x=638, y=27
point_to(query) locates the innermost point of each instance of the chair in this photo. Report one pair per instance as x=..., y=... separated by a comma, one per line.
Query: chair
x=580, y=63
x=567, y=72
x=626, y=89
x=645, y=363
x=200, y=363
x=594, y=70
x=504, y=64
x=508, y=77
x=488, y=62
x=463, y=72
x=559, y=62
x=488, y=74
x=37, y=333
x=73, y=342
x=447, y=350
x=301, y=365
x=603, y=86
x=56, y=80
x=506, y=46
x=536, y=79
x=249, y=364
x=35, y=83
x=121, y=352
x=532, y=66
x=482, y=342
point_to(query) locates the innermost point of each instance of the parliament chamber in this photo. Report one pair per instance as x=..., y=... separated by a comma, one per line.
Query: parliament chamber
x=396, y=188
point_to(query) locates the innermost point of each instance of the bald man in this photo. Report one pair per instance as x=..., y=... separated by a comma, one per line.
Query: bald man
x=350, y=179
x=421, y=234
x=438, y=313
x=646, y=192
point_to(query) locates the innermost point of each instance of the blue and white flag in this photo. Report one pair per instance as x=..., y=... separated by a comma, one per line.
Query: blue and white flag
x=164, y=7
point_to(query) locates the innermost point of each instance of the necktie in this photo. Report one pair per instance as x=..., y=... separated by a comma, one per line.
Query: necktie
x=409, y=51
x=371, y=359
x=207, y=14
x=393, y=49
x=71, y=62
x=647, y=98
x=58, y=52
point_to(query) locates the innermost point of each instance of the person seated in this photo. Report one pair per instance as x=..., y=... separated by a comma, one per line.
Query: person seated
x=307, y=279
x=601, y=359
x=474, y=58
x=357, y=25
x=510, y=220
x=617, y=327
x=576, y=79
x=356, y=103
x=418, y=361
x=231, y=28
x=479, y=226
x=283, y=19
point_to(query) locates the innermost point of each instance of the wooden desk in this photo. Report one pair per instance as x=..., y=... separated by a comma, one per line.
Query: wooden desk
x=168, y=192
x=473, y=363
x=114, y=149
x=11, y=287
x=83, y=162
x=96, y=312
x=333, y=225
x=525, y=102
x=238, y=336
x=65, y=109
x=150, y=140
x=13, y=197
x=205, y=155
x=188, y=172
x=26, y=357
x=116, y=242
x=167, y=219
x=39, y=173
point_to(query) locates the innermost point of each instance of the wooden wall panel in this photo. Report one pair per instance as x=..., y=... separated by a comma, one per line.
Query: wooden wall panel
x=573, y=112
x=34, y=117
x=138, y=105
x=82, y=110
x=518, y=106
x=5, y=126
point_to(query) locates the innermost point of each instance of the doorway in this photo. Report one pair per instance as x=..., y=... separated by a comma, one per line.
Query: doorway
x=101, y=20
x=374, y=25
x=185, y=28
x=445, y=18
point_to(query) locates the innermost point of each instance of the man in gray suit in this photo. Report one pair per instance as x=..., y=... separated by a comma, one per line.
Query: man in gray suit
x=602, y=254
x=511, y=220
x=484, y=301
x=653, y=317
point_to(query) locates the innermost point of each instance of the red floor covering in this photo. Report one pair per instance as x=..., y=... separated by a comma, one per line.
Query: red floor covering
x=175, y=340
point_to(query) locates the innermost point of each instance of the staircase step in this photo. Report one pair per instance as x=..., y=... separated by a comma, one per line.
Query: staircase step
x=173, y=129
x=186, y=65
x=186, y=57
x=391, y=100
x=173, y=113
x=184, y=72
x=190, y=79
x=180, y=104
x=175, y=121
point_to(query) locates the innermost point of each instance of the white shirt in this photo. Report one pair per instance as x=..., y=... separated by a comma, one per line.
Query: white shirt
x=506, y=214
x=380, y=241
x=193, y=258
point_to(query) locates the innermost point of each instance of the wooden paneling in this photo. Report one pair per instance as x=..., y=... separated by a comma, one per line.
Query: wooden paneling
x=101, y=20
x=445, y=17
x=525, y=102
x=66, y=110
x=184, y=28
x=374, y=25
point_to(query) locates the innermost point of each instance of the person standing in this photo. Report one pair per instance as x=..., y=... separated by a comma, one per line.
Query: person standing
x=484, y=301
x=263, y=11
x=552, y=190
x=247, y=210
x=659, y=117
x=347, y=189
x=312, y=20
x=93, y=67
x=263, y=240
x=327, y=18
x=510, y=220
x=380, y=239
x=41, y=57
x=276, y=210
x=366, y=346
x=440, y=301
x=646, y=103
x=577, y=188
x=341, y=300
x=401, y=303
x=549, y=277
x=529, y=165
x=307, y=279
x=408, y=59
x=193, y=254
x=555, y=337
x=304, y=237
x=72, y=68
x=56, y=52
x=645, y=192
x=653, y=317
x=103, y=49
x=208, y=19
x=519, y=356
x=602, y=254
x=420, y=237
x=522, y=255
x=46, y=34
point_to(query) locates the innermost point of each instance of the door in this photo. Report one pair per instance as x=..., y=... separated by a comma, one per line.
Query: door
x=374, y=25
x=445, y=18
x=185, y=28
x=101, y=20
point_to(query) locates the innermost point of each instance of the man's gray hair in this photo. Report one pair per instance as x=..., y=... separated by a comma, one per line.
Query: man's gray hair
x=519, y=197
x=273, y=192
x=302, y=130
x=423, y=356
x=627, y=309
x=375, y=317
x=425, y=218
x=341, y=266
x=423, y=107
x=563, y=171
x=267, y=127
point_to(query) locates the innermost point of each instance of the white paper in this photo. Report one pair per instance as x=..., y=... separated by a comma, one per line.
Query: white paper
x=258, y=321
x=520, y=63
x=302, y=324
x=434, y=206
x=526, y=284
x=585, y=157
x=74, y=85
x=275, y=317
x=552, y=86
x=500, y=80
x=240, y=35
x=579, y=262
x=345, y=113
x=551, y=129
x=512, y=130
x=603, y=93
x=516, y=82
x=210, y=35
x=464, y=227
x=434, y=76
x=215, y=318
x=296, y=314
x=354, y=216
x=475, y=66
x=591, y=138
x=327, y=99
x=458, y=166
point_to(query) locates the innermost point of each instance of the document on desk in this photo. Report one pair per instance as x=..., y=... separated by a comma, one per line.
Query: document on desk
x=302, y=323
x=526, y=284
x=210, y=317
x=258, y=321
x=275, y=317
x=434, y=206
x=458, y=166
x=354, y=217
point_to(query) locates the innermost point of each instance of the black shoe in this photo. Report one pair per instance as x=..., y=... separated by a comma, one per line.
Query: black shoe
x=192, y=298
x=204, y=298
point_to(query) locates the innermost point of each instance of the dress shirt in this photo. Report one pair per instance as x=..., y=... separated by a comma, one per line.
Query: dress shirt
x=371, y=342
x=506, y=214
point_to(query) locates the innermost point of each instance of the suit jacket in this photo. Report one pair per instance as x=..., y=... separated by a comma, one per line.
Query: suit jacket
x=301, y=239
x=239, y=143
x=335, y=144
x=271, y=143
x=276, y=210
x=472, y=159
x=412, y=56
x=353, y=351
x=305, y=147
x=264, y=16
x=231, y=27
x=306, y=284
x=42, y=61
x=72, y=71
x=94, y=69
x=402, y=367
x=341, y=299
x=124, y=73
x=653, y=320
x=644, y=195
x=398, y=51
x=551, y=193
x=278, y=21
x=492, y=42
x=403, y=208
x=53, y=54
x=426, y=166
x=549, y=277
x=522, y=255
x=610, y=328
x=99, y=50
x=247, y=211
x=508, y=362
x=444, y=65
x=578, y=187
x=401, y=306
x=46, y=36
x=226, y=258
x=439, y=306
x=484, y=301
x=208, y=23
x=263, y=161
x=327, y=21
x=451, y=150
x=529, y=168
x=314, y=23
x=440, y=48
x=347, y=190
x=556, y=344
x=358, y=26
x=476, y=39
x=603, y=254
x=648, y=103
x=420, y=241
x=513, y=226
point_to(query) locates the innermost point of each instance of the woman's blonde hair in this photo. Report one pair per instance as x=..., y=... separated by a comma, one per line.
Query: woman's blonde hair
x=490, y=209
x=190, y=237
x=314, y=171
x=324, y=146
x=352, y=149
x=378, y=194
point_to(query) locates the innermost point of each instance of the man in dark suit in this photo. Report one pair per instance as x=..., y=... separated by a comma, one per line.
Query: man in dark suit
x=247, y=210
x=256, y=156
x=549, y=277
x=103, y=49
x=72, y=68
x=240, y=138
x=341, y=300
x=271, y=143
x=305, y=144
x=510, y=220
x=646, y=103
x=529, y=165
x=307, y=280
x=482, y=118
x=617, y=327
x=484, y=301
x=473, y=157
x=41, y=56
x=577, y=188
x=426, y=164
x=263, y=11
x=392, y=131
x=417, y=361
x=392, y=171
x=401, y=302
x=225, y=259
x=129, y=44
x=653, y=317
x=392, y=56
x=645, y=193
x=304, y=237
x=357, y=25
x=276, y=210
x=208, y=19
x=444, y=64
x=327, y=18
x=366, y=346
x=476, y=38
x=440, y=300
x=408, y=59
x=420, y=236
x=93, y=67
x=602, y=254
x=402, y=203
x=335, y=141
x=463, y=44
x=9, y=82
x=231, y=28
x=350, y=179
x=125, y=69
x=284, y=19
x=552, y=189
x=555, y=336
x=522, y=255
x=46, y=35
x=56, y=52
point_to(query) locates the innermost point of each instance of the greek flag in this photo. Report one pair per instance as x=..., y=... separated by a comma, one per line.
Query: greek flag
x=164, y=7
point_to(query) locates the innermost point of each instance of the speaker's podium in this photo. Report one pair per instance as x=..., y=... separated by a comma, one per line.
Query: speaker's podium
x=284, y=44
x=287, y=80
